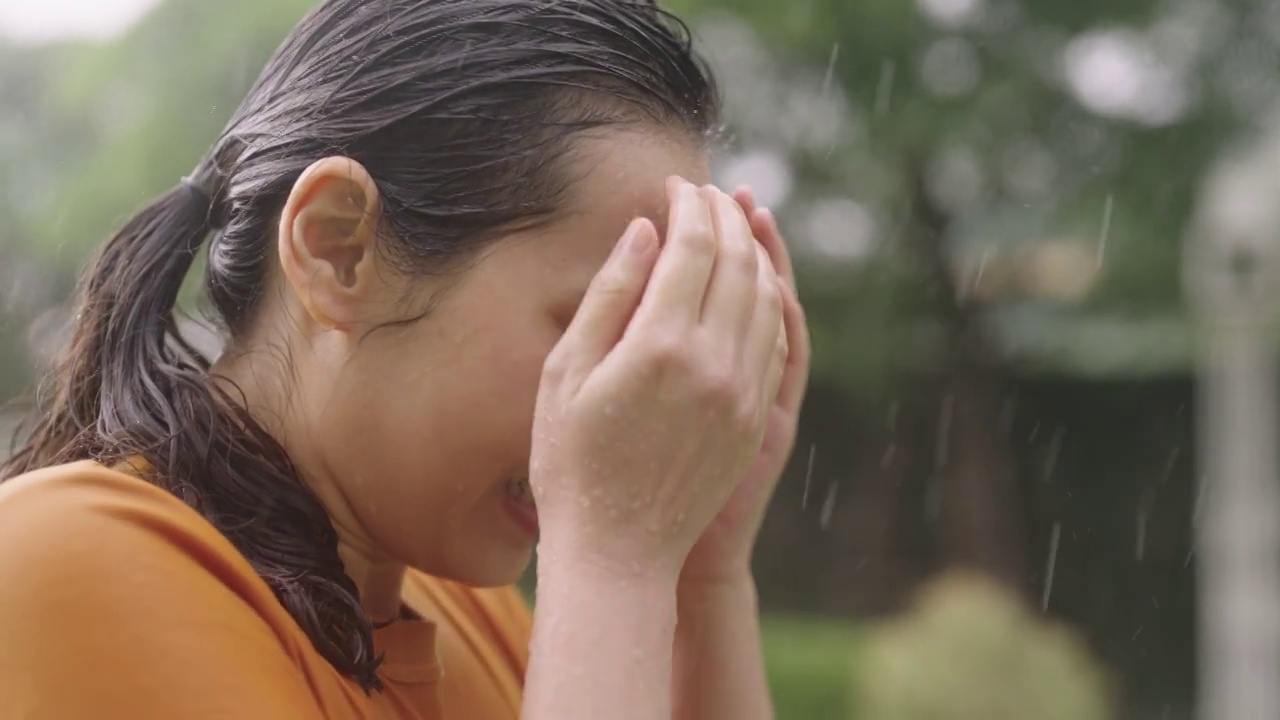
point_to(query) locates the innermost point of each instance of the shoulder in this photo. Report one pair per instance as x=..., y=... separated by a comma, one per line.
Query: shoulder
x=93, y=532
x=86, y=486
x=115, y=587
x=116, y=538
x=79, y=514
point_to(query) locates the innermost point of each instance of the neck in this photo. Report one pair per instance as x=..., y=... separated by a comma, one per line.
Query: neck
x=377, y=578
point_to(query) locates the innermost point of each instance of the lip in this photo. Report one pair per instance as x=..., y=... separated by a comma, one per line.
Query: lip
x=524, y=515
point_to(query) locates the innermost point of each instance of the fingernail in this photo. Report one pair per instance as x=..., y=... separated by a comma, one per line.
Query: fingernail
x=637, y=242
x=624, y=242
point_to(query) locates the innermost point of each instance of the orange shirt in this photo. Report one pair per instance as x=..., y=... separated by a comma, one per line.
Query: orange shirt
x=119, y=601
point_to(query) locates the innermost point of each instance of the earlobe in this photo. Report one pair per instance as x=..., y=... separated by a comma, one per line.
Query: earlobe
x=327, y=241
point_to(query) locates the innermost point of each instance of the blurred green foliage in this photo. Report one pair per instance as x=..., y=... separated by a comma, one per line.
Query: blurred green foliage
x=971, y=651
x=89, y=131
x=808, y=660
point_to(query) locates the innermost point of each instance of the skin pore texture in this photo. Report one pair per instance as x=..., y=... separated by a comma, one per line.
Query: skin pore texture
x=412, y=432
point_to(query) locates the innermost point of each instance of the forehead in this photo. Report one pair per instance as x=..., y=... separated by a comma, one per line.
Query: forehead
x=620, y=175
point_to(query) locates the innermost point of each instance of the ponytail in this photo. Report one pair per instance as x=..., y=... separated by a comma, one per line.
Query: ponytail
x=119, y=367
x=128, y=386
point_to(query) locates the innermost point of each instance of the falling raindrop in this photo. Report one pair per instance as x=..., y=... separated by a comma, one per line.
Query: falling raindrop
x=1170, y=464
x=1053, y=560
x=1055, y=449
x=1106, y=229
x=831, y=68
x=982, y=268
x=808, y=476
x=884, y=89
x=828, y=505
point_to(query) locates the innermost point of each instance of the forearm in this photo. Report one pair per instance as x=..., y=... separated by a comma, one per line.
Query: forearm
x=601, y=647
x=719, y=671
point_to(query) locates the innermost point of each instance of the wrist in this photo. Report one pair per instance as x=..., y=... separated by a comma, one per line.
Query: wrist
x=570, y=563
x=716, y=619
x=718, y=575
x=708, y=593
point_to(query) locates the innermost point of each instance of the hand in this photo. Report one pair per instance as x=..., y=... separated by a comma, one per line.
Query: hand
x=654, y=403
x=723, y=553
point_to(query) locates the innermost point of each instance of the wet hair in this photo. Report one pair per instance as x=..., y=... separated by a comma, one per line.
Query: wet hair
x=464, y=113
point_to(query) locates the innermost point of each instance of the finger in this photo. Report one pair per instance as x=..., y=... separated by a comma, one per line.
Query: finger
x=732, y=292
x=795, y=375
x=746, y=197
x=776, y=374
x=766, y=331
x=612, y=297
x=683, y=270
x=765, y=228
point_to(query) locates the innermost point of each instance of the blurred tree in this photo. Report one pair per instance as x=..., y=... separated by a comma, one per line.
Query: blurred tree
x=984, y=192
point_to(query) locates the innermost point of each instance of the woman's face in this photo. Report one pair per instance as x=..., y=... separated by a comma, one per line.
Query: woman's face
x=419, y=436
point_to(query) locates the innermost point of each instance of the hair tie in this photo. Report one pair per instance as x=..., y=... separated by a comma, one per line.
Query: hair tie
x=199, y=188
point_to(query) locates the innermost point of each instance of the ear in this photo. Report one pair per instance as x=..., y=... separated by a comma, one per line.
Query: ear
x=327, y=243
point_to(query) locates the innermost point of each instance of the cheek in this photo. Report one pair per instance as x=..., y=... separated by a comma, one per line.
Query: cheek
x=445, y=409
x=482, y=399
x=514, y=373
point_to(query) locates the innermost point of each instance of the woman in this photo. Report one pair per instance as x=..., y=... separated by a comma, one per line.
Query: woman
x=413, y=226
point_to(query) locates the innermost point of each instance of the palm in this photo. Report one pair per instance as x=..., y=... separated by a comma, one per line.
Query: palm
x=725, y=546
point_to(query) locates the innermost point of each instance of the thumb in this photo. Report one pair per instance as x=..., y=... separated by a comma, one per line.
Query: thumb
x=612, y=297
